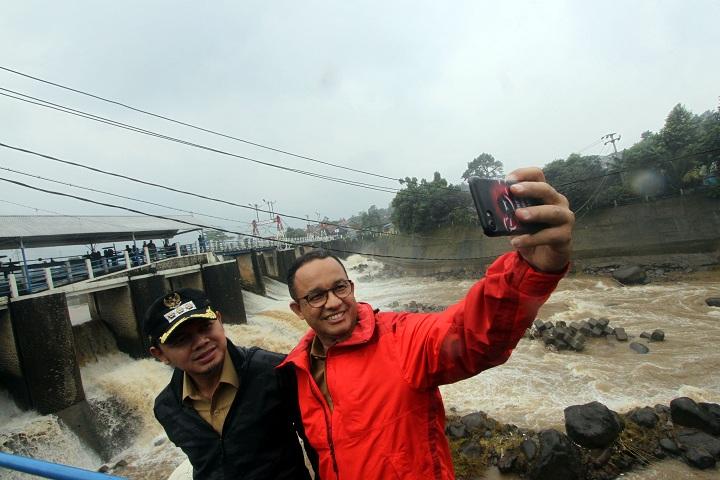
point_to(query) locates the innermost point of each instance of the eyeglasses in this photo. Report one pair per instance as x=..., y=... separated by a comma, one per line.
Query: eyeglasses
x=318, y=299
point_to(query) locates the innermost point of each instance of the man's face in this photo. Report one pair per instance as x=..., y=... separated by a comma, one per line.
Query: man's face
x=197, y=347
x=336, y=319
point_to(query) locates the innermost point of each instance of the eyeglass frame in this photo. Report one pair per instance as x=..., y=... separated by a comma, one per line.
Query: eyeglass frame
x=326, y=293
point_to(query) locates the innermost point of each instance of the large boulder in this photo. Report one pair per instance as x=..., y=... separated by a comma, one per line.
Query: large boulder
x=688, y=438
x=630, y=275
x=645, y=417
x=557, y=459
x=699, y=458
x=703, y=416
x=592, y=425
x=478, y=421
x=657, y=336
x=639, y=347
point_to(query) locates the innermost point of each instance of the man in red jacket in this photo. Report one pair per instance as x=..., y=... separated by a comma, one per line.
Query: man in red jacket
x=368, y=380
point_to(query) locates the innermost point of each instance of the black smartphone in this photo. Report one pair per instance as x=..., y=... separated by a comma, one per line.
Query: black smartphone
x=496, y=207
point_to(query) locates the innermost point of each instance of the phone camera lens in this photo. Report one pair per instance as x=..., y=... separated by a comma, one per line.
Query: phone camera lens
x=490, y=220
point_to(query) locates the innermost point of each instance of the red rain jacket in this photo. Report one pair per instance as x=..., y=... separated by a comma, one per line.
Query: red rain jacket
x=388, y=420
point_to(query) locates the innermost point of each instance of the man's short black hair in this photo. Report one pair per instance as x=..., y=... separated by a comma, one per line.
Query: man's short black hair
x=319, y=254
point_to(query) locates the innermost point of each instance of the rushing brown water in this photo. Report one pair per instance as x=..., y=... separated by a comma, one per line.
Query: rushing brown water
x=530, y=390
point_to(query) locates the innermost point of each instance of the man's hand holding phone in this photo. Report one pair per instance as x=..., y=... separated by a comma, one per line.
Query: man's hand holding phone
x=549, y=249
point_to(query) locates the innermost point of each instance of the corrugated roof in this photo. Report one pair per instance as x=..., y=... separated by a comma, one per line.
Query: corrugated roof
x=57, y=230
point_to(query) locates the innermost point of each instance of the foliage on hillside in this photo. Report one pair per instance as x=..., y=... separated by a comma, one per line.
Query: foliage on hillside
x=684, y=154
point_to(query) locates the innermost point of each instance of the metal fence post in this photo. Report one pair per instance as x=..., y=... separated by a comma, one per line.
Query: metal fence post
x=13, y=286
x=68, y=271
x=88, y=266
x=49, y=279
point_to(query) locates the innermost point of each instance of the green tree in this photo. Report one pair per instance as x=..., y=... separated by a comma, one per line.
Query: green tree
x=292, y=232
x=424, y=206
x=372, y=219
x=217, y=236
x=679, y=137
x=484, y=165
x=584, y=181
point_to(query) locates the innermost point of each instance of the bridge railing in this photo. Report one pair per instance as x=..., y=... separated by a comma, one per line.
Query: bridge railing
x=42, y=468
x=256, y=243
x=62, y=271
x=59, y=271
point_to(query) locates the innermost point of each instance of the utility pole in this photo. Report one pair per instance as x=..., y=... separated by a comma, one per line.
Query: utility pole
x=611, y=139
x=257, y=215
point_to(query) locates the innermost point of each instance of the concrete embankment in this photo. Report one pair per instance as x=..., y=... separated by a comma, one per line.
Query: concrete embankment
x=683, y=229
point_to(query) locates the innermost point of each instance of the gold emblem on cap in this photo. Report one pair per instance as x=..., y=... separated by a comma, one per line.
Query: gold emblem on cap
x=172, y=300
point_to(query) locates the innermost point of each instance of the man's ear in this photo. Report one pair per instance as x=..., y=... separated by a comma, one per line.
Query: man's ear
x=295, y=307
x=159, y=355
x=218, y=315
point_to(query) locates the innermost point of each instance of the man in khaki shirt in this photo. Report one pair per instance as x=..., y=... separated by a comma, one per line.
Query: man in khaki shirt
x=228, y=408
x=215, y=409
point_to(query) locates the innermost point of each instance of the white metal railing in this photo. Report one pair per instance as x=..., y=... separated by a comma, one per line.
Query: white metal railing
x=55, y=273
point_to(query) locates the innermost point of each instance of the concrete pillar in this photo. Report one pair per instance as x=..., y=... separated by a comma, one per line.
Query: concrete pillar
x=12, y=281
x=250, y=273
x=89, y=268
x=223, y=287
x=49, y=279
x=144, y=291
x=10, y=372
x=270, y=263
x=178, y=252
x=285, y=258
x=115, y=309
x=44, y=339
x=128, y=263
x=146, y=252
x=191, y=280
x=260, y=258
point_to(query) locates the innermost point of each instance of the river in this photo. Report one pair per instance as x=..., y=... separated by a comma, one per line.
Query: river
x=530, y=390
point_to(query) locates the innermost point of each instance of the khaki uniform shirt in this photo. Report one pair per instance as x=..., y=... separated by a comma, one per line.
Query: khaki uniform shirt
x=215, y=410
x=317, y=368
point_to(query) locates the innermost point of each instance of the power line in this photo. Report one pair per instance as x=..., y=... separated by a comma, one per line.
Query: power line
x=185, y=192
x=234, y=220
x=190, y=125
x=79, y=113
x=89, y=116
x=162, y=217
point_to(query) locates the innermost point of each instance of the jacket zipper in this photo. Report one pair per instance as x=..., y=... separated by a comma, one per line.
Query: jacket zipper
x=328, y=421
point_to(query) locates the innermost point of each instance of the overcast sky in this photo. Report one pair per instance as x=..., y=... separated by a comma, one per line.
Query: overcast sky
x=395, y=88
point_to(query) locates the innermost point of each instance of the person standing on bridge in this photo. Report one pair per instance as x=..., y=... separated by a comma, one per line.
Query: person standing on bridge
x=228, y=408
x=368, y=380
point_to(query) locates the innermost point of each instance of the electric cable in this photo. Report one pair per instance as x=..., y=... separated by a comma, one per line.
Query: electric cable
x=79, y=113
x=97, y=118
x=189, y=193
x=190, y=125
x=191, y=212
x=185, y=222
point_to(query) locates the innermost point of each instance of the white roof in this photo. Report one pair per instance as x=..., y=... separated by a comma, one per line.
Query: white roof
x=57, y=230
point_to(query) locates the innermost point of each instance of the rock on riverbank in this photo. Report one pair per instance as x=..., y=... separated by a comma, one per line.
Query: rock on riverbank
x=599, y=445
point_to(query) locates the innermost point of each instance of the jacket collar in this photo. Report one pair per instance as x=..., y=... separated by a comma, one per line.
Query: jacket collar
x=363, y=331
